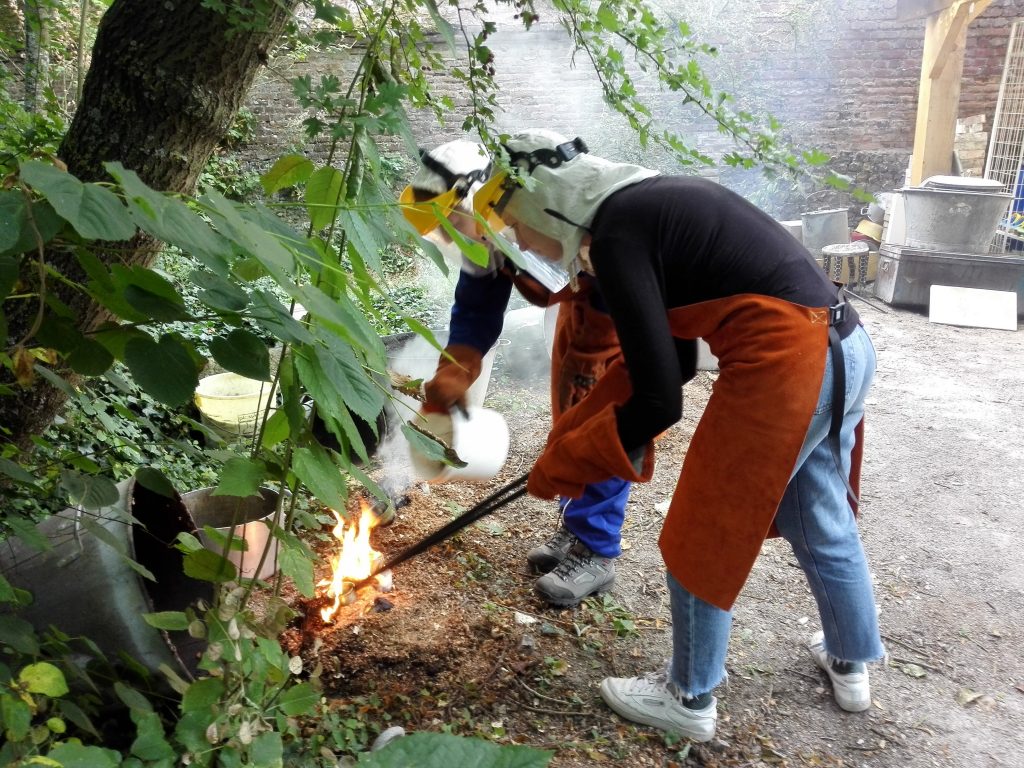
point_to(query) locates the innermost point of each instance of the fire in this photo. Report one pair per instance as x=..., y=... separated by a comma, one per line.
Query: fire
x=355, y=559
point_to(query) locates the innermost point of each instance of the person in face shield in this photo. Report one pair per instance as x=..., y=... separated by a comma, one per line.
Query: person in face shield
x=579, y=558
x=777, y=449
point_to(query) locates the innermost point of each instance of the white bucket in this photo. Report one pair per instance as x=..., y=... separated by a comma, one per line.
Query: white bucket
x=250, y=514
x=232, y=405
x=412, y=355
x=953, y=220
x=481, y=440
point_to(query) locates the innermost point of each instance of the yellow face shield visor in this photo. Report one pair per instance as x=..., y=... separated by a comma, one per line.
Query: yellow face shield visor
x=491, y=199
x=424, y=214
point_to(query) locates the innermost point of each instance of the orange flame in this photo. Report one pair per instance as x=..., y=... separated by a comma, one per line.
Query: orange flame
x=355, y=559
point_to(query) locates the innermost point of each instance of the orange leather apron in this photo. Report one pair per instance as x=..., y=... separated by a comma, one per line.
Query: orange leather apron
x=771, y=358
x=585, y=345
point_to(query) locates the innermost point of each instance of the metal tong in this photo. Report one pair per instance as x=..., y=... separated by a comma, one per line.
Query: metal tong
x=492, y=503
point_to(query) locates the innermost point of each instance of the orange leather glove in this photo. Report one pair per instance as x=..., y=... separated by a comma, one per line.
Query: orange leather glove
x=588, y=453
x=452, y=378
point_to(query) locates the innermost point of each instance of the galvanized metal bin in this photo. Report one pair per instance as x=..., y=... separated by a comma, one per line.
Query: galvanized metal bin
x=906, y=275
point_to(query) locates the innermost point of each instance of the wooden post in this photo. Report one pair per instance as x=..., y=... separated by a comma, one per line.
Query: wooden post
x=939, y=93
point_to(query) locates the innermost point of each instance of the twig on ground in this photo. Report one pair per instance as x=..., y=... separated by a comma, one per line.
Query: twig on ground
x=918, y=663
x=541, y=695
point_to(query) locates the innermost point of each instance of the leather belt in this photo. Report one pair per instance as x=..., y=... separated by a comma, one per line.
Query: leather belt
x=836, y=316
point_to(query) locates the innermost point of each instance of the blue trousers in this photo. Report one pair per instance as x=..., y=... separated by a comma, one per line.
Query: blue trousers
x=816, y=519
x=596, y=517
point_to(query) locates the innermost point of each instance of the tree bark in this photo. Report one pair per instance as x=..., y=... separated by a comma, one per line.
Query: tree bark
x=166, y=81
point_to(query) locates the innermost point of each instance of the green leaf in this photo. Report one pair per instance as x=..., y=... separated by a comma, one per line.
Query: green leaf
x=73, y=713
x=148, y=293
x=242, y=352
x=313, y=466
x=150, y=742
x=43, y=678
x=164, y=369
x=297, y=565
x=132, y=698
x=13, y=220
x=16, y=472
x=202, y=695
x=154, y=307
x=606, y=17
x=287, y=171
x=205, y=565
x=16, y=716
x=219, y=292
x=18, y=634
x=430, y=448
x=299, y=700
x=277, y=429
x=72, y=755
x=7, y=593
x=89, y=357
x=241, y=477
x=89, y=491
x=267, y=750
x=323, y=193
x=172, y=221
x=170, y=620
x=154, y=480
x=95, y=212
x=42, y=225
x=442, y=750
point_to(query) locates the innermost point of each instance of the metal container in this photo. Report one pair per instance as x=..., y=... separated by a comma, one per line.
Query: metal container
x=821, y=228
x=83, y=583
x=952, y=220
x=249, y=516
x=906, y=275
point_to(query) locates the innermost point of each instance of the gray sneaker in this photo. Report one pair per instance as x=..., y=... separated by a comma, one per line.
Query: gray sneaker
x=548, y=555
x=579, y=575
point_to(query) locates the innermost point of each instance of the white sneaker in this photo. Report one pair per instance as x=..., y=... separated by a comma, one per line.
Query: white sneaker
x=652, y=700
x=850, y=684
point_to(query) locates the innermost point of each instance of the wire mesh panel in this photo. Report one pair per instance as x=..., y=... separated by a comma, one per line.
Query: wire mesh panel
x=1005, y=161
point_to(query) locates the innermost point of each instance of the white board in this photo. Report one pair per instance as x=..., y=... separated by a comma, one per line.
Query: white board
x=973, y=307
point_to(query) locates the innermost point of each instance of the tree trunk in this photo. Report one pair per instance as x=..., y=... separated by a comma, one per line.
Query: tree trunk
x=37, y=52
x=166, y=81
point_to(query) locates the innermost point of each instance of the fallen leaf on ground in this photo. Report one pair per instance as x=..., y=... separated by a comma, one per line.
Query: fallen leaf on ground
x=967, y=697
x=913, y=670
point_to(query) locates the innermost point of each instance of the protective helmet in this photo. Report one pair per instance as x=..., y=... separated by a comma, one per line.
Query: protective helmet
x=451, y=173
x=570, y=185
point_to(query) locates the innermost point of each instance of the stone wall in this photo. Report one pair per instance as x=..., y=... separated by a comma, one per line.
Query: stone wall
x=841, y=75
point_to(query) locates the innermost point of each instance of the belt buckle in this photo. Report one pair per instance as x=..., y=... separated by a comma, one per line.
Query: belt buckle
x=837, y=313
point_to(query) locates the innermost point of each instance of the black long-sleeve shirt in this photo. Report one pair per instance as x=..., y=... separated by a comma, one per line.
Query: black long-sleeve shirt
x=672, y=241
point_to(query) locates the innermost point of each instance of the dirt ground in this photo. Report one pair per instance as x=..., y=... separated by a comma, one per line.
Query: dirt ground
x=462, y=644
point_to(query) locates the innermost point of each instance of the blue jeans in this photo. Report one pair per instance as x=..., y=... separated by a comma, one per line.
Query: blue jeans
x=596, y=517
x=816, y=519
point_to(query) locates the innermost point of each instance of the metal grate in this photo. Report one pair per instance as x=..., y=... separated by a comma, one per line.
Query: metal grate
x=1005, y=161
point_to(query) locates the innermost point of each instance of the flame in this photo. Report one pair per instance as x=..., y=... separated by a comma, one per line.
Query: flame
x=355, y=559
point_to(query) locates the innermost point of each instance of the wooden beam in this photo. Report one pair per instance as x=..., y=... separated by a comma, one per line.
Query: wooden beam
x=939, y=92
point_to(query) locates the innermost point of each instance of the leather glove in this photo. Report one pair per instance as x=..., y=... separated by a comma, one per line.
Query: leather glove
x=531, y=289
x=588, y=453
x=452, y=379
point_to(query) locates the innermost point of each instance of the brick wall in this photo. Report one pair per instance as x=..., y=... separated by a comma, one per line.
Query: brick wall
x=842, y=76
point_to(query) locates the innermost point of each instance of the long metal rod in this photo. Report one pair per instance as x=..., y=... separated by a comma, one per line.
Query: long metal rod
x=492, y=503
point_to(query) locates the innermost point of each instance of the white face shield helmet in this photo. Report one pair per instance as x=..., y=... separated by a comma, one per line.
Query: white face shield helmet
x=446, y=181
x=568, y=186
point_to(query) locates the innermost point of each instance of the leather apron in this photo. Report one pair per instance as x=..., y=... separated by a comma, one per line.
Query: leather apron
x=585, y=345
x=771, y=358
